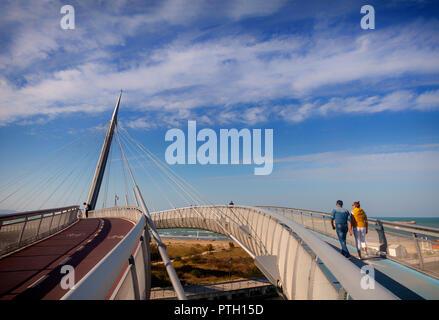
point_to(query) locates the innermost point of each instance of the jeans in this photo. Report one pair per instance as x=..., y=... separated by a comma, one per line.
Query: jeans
x=342, y=230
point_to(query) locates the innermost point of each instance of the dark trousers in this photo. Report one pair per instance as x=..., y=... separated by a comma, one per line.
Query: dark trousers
x=342, y=230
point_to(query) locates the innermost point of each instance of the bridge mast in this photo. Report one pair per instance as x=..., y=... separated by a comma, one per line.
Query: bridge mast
x=102, y=162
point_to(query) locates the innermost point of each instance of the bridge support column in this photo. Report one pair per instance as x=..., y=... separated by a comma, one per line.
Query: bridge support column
x=162, y=250
x=145, y=240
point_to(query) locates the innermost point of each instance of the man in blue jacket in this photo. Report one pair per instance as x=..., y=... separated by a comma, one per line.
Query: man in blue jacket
x=341, y=217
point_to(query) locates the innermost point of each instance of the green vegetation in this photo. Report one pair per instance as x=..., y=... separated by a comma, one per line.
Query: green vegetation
x=197, y=264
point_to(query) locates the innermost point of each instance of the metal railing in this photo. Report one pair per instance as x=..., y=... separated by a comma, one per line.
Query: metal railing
x=210, y=288
x=125, y=272
x=20, y=229
x=414, y=246
x=294, y=259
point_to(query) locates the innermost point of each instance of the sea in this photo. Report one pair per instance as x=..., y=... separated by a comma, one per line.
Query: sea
x=189, y=234
x=432, y=222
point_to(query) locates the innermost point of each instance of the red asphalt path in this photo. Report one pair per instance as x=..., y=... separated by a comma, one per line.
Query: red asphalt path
x=35, y=272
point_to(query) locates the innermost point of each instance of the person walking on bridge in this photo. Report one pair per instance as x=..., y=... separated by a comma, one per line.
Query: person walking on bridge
x=86, y=208
x=360, y=227
x=341, y=217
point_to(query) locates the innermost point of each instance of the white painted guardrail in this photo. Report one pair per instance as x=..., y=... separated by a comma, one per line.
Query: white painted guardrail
x=125, y=272
x=414, y=246
x=291, y=256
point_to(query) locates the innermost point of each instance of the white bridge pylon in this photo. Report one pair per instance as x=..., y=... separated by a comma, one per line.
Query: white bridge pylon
x=295, y=260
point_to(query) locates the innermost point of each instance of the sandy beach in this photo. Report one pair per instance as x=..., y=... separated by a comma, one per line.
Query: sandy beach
x=217, y=244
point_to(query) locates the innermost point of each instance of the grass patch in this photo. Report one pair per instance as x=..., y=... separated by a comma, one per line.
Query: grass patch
x=194, y=267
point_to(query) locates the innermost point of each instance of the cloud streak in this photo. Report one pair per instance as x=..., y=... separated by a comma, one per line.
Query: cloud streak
x=230, y=78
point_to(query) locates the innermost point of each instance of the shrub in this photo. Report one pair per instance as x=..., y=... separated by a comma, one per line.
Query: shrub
x=253, y=271
x=194, y=250
x=195, y=259
x=196, y=273
x=155, y=255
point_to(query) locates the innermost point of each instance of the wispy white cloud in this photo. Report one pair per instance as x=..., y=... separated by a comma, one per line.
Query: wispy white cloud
x=428, y=100
x=360, y=164
x=245, y=8
x=218, y=75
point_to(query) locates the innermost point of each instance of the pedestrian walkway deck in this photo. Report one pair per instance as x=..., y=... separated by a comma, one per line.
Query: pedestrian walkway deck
x=404, y=282
x=35, y=271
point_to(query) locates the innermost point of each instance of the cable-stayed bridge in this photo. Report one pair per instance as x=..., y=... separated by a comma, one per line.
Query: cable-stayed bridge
x=108, y=245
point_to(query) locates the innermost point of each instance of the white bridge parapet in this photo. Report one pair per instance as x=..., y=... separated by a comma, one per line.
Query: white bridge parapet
x=135, y=282
x=295, y=260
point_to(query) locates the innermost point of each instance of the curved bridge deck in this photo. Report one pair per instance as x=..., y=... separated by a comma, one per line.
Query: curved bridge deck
x=35, y=272
x=292, y=258
x=406, y=283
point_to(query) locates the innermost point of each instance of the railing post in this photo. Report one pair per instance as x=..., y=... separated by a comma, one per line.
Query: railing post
x=59, y=221
x=134, y=277
x=324, y=225
x=418, y=249
x=51, y=220
x=381, y=238
x=312, y=222
x=22, y=231
x=147, y=261
x=39, y=226
x=66, y=215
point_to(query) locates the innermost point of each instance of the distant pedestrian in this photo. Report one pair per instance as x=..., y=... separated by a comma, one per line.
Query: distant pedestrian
x=341, y=217
x=231, y=203
x=86, y=207
x=360, y=227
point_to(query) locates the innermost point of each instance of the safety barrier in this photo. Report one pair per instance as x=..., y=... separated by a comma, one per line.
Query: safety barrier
x=299, y=263
x=125, y=272
x=20, y=229
x=414, y=246
x=215, y=290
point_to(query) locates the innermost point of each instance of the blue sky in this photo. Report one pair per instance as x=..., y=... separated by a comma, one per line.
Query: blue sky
x=354, y=112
